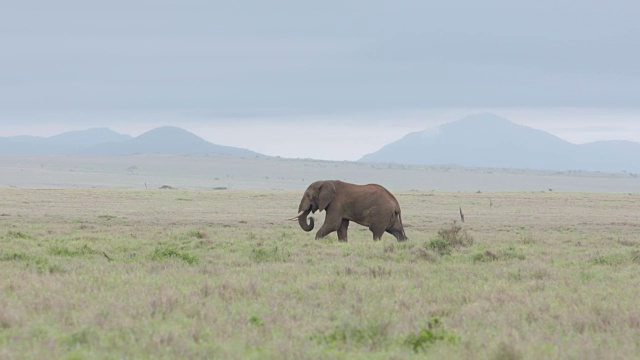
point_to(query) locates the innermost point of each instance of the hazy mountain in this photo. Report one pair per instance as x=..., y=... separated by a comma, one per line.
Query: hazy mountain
x=102, y=141
x=167, y=140
x=486, y=140
x=89, y=137
x=65, y=143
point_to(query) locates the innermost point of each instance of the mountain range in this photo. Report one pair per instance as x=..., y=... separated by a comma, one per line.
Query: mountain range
x=487, y=140
x=103, y=142
x=480, y=140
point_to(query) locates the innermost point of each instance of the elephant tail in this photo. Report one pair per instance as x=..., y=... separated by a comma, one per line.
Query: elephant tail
x=401, y=226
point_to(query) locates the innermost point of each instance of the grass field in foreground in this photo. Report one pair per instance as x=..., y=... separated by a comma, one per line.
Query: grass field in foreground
x=104, y=273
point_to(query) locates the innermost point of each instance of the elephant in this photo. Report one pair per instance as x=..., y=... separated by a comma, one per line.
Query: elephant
x=369, y=205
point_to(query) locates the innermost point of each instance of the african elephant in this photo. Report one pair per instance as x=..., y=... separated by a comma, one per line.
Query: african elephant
x=369, y=205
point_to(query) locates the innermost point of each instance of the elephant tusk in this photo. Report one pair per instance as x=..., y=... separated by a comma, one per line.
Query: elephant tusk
x=297, y=216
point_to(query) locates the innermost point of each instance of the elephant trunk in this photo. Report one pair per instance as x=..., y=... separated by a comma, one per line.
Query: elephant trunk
x=302, y=220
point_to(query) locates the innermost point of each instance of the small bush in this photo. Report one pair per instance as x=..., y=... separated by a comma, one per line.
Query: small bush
x=528, y=239
x=264, y=255
x=14, y=257
x=169, y=253
x=449, y=238
x=77, y=339
x=43, y=266
x=455, y=235
x=485, y=257
x=507, y=351
x=439, y=245
x=424, y=253
x=107, y=217
x=58, y=250
x=434, y=332
x=197, y=234
x=612, y=259
x=374, y=334
x=256, y=321
x=17, y=235
x=509, y=253
x=379, y=271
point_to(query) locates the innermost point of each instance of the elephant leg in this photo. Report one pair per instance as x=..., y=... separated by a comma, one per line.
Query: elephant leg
x=342, y=231
x=324, y=231
x=331, y=224
x=377, y=231
x=378, y=223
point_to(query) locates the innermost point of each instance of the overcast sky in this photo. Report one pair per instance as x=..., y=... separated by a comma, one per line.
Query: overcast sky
x=348, y=76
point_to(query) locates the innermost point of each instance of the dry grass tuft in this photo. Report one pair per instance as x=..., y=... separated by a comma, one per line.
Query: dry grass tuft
x=8, y=319
x=507, y=351
x=455, y=235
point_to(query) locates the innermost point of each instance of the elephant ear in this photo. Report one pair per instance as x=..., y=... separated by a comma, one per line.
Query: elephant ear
x=326, y=193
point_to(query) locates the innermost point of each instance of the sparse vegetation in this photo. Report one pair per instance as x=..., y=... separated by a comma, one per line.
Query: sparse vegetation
x=372, y=334
x=509, y=253
x=260, y=254
x=17, y=235
x=455, y=235
x=449, y=238
x=112, y=273
x=434, y=332
x=170, y=253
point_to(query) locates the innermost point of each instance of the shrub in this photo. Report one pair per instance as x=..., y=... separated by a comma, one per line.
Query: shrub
x=423, y=253
x=17, y=235
x=449, y=238
x=455, y=235
x=374, y=334
x=197, y=234
x=169, y=253
x=432, y=333
x=511, y=253
x=107, y=217
x=485, y=256
x=507, y=351
x=13, y=256
x=379, y=271
x=77, y=339
x=504, y=254
x=439, y=245
x=256, y=321
x=58, y=250
x=611, y=259
x=43, y=266
x=263, y=255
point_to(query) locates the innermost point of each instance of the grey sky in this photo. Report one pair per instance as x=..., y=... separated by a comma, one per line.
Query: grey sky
x=211, y=64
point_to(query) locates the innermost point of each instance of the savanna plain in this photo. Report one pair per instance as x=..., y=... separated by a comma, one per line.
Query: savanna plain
x=134, y=273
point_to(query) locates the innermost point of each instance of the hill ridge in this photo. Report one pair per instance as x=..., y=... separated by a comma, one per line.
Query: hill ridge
x=490, y=141
x=106, y=142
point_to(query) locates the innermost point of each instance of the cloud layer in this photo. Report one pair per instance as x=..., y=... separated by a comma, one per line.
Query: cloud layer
x=289, y=57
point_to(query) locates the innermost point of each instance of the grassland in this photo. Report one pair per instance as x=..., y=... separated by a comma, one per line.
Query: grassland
x=130, y=273
x=208, y=172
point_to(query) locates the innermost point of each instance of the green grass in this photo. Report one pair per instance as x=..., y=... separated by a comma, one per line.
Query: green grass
x=107, y=273
x=434, y=332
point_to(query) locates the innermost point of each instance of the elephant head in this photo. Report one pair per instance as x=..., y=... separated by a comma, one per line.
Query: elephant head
x=318, y=196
